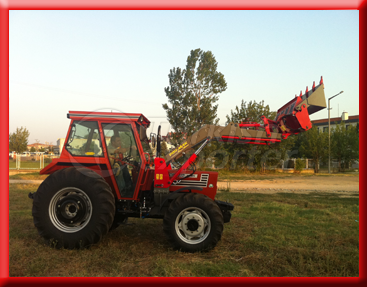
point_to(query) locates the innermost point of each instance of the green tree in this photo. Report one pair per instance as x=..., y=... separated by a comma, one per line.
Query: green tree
x=344, y=145
x=250, y=112
x=18, y=140
x=164, y=149
x=32, y=149
x=241, y=156
x=192, y=94
x=41, y=149
x=314, y=144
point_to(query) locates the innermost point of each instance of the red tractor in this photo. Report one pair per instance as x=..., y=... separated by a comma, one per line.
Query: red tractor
x=107, y=172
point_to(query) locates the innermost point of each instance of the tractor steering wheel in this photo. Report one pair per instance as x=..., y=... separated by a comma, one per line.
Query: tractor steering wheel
x=128, y=159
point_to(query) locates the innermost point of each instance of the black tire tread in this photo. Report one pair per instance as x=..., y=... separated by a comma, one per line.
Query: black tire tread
x=194, y=200
x=103, y=207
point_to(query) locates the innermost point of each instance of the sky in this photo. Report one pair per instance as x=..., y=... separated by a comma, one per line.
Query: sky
x=61, y=61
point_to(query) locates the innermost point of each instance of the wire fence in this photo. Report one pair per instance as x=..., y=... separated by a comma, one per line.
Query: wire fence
x=36, y=162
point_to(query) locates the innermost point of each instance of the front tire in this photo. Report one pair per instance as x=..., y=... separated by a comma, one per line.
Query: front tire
x=73, y=208
x=193, y=222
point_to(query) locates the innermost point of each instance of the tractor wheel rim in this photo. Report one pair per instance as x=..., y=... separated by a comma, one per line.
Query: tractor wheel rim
x=70, y=209
x=192, y=225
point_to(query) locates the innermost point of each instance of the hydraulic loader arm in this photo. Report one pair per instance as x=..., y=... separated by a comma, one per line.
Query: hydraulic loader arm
x=292, y=118
x=232, y=131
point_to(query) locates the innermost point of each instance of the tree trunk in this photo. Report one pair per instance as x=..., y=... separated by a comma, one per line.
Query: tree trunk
x=316, y=166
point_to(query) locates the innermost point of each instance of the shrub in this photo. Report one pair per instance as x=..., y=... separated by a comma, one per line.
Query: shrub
x=300, y=165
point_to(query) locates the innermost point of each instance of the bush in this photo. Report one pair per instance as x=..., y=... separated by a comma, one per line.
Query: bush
x=300, y=165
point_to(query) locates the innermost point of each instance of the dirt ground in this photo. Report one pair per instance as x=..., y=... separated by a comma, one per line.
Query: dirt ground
x=347, y=184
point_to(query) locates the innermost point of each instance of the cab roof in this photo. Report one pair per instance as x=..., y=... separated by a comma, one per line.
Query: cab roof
x=89, y=116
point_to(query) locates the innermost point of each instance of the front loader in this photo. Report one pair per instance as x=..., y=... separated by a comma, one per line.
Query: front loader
x=107, y=173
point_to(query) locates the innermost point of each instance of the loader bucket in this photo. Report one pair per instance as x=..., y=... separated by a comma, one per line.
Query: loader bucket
x=315, y=101
x=293, y=117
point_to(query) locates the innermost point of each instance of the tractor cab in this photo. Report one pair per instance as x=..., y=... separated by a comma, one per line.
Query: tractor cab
x=114, y=145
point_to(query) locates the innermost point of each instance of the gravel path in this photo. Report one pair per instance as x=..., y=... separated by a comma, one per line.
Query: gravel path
x=349, y=184
x=25, y=181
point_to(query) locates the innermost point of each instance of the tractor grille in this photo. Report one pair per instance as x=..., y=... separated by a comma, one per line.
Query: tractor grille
x=203, y=182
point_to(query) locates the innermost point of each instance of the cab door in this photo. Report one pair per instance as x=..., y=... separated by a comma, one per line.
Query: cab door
x=124, y=157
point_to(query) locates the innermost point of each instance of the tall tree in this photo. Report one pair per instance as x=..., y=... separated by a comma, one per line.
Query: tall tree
x=250, y=112
x=314, y=144
x=192, y=94
x=344, y=145
x=18, y=140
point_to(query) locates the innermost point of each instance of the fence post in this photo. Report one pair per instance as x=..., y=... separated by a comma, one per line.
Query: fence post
x=306, y=163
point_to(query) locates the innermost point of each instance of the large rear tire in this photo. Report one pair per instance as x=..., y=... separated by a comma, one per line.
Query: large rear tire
x=73, y=208
x=193, y=222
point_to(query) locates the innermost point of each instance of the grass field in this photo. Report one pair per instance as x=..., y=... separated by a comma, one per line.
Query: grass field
x=29, y=176
x=269, y=235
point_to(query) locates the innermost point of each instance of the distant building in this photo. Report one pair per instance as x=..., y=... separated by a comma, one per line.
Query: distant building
x=37, y=146
x=323, y=124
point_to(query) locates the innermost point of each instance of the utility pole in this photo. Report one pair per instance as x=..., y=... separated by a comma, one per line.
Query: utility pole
x=329, y=124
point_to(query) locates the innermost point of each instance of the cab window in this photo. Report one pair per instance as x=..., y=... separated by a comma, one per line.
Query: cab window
x=84, y=139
